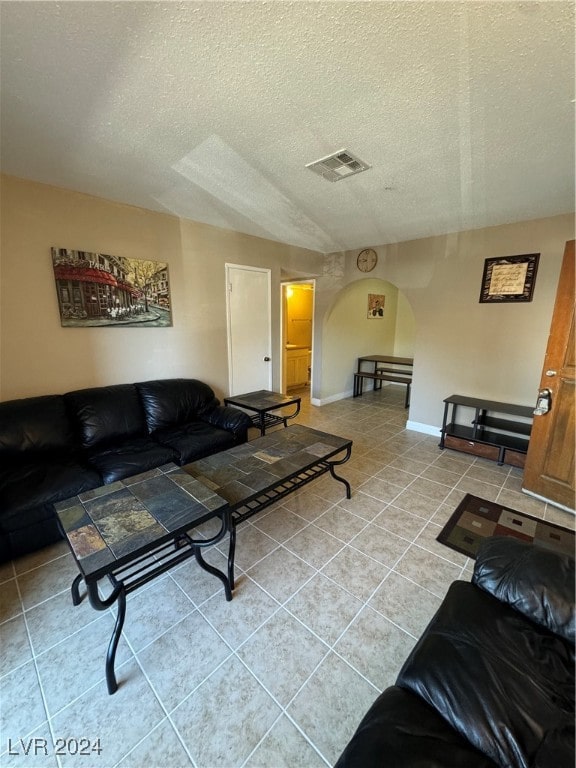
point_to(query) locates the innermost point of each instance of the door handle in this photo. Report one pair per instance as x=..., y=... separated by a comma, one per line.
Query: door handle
x=544, y=402
x=266, y=359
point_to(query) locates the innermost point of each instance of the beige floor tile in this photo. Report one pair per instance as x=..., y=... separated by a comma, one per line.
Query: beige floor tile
x=7, y=571
x=237, y=619
x=362, y=505
x=150, y=612
x=315, y=546
x=405, y=603
x=225, y=719
x=53, y=620
x=193, y=640
x=340, y=523
x=380, y=544
x=307, y=504
x=280, y=524
x=22, y=709
x=273, y=661
x=281, y=573
x=34, y=750
x=96, y=715
x=15, y=645
x=329, y=714
x=284, y=747
x=416, y=503
x=400, y=522
x=252, y=545
x=355, y=572
x=324, y=607
x=40, y=583
x=70, y=668
x=161, y=748
x=375, y=647
x=428, y=570
x=41, y=557
x=198, y=584
x=381, y=489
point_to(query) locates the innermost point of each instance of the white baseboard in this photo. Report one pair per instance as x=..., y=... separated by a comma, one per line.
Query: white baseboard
x=427, y=429
x=331, y=399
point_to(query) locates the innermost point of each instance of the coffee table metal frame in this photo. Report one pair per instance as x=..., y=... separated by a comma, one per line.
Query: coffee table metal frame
x=263, y=402
x=132, y=570
x=245, y=502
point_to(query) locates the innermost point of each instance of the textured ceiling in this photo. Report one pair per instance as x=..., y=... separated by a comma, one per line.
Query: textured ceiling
x=210, y=111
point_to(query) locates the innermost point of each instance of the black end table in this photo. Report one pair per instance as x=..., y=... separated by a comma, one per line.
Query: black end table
x=263, y=402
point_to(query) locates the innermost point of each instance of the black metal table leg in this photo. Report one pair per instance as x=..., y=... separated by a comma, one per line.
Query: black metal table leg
x=332, y=464
x=215, y=572
x=231, y=553
x=118, y=594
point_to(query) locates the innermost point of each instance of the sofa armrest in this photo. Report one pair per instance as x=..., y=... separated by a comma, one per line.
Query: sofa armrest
x=231, y=419
x=537, y=582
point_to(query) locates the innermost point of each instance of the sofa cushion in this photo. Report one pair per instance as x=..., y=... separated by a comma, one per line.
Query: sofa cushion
x=25, y=485
x=535, y=581
x=35, y=425
x=104, y=415
x=130, y=457
x=174, y=402
x=402, y=731
x=195, y=440
x=504, y=682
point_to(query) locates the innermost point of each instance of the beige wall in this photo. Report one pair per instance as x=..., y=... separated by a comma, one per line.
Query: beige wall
x=462, y=346
x=38, y=356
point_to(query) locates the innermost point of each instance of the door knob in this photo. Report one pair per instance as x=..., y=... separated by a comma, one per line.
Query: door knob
x=550, y=373
x=266, y=359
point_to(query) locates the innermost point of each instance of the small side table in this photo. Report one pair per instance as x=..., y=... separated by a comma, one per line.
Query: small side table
x=263, y=403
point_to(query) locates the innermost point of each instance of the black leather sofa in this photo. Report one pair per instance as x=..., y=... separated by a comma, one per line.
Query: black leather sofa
x=55, y=446
x=491, y=680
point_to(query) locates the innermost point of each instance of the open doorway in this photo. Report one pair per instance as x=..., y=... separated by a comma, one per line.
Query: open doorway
x=297, y=335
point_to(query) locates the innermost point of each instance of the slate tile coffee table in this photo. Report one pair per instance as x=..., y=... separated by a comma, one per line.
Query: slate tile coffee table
x=134, y=530
x=263, y=402
x=256, y=474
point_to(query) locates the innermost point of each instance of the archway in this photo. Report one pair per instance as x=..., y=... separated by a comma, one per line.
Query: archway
x=350, y=329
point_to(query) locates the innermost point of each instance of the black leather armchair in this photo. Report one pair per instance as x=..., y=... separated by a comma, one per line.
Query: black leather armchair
x=57, y=446
x=491, y=680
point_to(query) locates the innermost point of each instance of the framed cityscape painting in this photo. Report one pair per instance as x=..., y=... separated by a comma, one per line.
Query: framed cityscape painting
x=96, y=289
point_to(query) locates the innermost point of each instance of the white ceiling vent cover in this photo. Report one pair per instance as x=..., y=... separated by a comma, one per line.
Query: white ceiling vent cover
x=338, y=166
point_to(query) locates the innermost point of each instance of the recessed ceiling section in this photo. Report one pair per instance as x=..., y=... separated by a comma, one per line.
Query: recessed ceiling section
x=340, y=165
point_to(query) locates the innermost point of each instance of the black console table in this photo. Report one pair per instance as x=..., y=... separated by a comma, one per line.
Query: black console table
x=491, y=433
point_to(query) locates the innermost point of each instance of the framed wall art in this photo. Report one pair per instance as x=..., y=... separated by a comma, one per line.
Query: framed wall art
x=511, y=278
x=376, y=305
x=96, y=289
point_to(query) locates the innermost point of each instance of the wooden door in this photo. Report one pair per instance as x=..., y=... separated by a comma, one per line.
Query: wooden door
x=549, y=471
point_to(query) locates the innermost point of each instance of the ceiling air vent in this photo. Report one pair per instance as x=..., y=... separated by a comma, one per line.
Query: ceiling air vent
x=338, y=166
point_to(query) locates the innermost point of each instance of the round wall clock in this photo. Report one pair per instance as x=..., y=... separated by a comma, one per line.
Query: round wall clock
x=367, y=260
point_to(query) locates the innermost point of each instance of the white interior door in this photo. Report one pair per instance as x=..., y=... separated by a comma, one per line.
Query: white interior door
x=248, y=308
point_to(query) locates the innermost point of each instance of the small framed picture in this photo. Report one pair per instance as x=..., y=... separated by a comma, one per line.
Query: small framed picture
x=510, y=278
x=375, y=305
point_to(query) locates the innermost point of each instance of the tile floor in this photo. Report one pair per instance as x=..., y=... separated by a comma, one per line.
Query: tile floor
x=331, y=595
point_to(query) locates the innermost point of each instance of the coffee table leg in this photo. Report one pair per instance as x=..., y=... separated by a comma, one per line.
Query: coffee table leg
x=215, y=572
x=332, y=464
x=117, y=594
x=231, y=553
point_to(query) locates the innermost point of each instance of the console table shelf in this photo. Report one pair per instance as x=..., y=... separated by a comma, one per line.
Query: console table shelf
x=487, y=434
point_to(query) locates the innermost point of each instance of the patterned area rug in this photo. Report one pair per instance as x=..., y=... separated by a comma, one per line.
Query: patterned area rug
x=476, y=518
